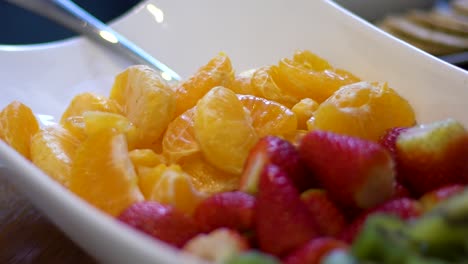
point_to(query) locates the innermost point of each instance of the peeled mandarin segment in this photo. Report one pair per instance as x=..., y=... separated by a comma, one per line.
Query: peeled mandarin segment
x=265, y=83
x=311, y=123
x=17, y=125
x=90, y=102
x=311, y=60
x=147, y=101
x=76, y=126
x=269, y=117
x=217, y=72
x=95, y=121
x=224, y=130
x=307, y=78
x=102, y=173
x=208, y=178
x=145, y=158
x=170, y=185
x=53, y=150
x=364, y=110
x=242, y=82
x=179, y=139
x=304, y=110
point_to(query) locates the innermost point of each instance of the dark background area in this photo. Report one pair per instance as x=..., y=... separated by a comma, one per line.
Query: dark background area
x=19, y=26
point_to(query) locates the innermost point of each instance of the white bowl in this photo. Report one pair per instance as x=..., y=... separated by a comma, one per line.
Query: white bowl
x=253, y=33
x=375, y=9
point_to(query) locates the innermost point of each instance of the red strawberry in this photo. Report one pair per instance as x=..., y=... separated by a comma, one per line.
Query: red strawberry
x=233, y=210
x=277, y=151
x=356, y=173
x=282, y=221
x=218, y=246
x=328, y=218
x=404, y=208
x=431, y=156
x=400, y=191
x=160, y=221
x=314, y=251
x=388, y=140
x=431, y=199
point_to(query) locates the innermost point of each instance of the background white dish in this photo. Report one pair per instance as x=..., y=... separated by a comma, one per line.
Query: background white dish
x=253, y=33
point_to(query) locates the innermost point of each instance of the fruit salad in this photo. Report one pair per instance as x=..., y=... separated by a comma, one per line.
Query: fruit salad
x=298, y=162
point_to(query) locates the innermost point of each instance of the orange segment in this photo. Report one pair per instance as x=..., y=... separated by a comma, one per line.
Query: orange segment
x=170, y=185
x=102, y=173
x=242, y=82
x=304, y=110
x=309, y=76
x=145, y=158
x=224, y=130
x=269, y=117
x=147, y=101
x=364, y=110
x=208, y=178
x=52, y=150
x=17, y=125
x=97, y=121
x=179, y=139
x=76, y=126
x=265, y=83
x=217, y=72
x=90, y=102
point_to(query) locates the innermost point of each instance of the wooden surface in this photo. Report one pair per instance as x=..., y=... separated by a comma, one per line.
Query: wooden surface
x=27, y=236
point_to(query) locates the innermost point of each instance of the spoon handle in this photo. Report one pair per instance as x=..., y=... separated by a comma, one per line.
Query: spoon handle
x=73, y=17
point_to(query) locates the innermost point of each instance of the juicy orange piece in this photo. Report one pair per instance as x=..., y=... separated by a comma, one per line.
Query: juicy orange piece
x=242, y=82
x=17, y=126
x=224, y=130
x=96, y=121
x=52, y=150
x=309, y=76
x=76, y=126
x=269, y=117
x=208, y=178
x=90, y=102
x=217, y=72
x=102, y=173
x=145, y=158
x=170, y=185
x=179, y=140
x=265, y=83
x=304, y=110
x=364, y=110
x=147, y=101
x=92, y=122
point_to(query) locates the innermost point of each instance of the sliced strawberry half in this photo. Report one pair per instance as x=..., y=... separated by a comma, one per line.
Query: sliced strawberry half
x=160, y=221
x=277, y=151
x=433, y=155
x=282, y=220
x=329, y=220
x=356, y=173
x=234, y=210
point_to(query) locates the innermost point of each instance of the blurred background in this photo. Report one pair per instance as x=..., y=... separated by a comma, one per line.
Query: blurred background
x=19, y=26
x=439, y=27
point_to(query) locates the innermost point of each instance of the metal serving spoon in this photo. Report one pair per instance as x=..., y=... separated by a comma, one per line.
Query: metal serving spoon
x=73, y=17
